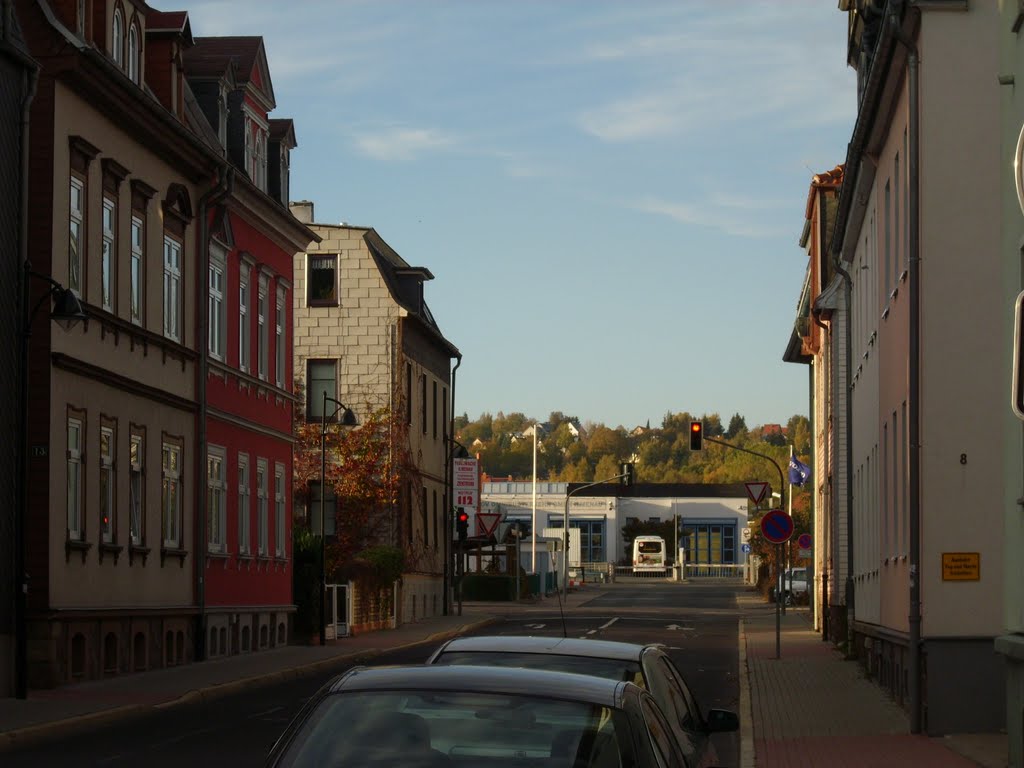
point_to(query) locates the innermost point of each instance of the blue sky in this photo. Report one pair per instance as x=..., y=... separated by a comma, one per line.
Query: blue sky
x=609, y=194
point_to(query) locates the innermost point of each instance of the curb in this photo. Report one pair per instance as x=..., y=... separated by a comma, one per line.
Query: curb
x=748, y=755
x=32, y=734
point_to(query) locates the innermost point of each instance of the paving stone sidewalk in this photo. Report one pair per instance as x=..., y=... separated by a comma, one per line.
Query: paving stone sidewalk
x=810, y=707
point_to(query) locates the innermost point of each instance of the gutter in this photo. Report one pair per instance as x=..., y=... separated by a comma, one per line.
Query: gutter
x=212, y=196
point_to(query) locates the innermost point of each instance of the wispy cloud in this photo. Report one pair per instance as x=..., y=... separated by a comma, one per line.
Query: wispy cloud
x=402, y=143
x=729, y=219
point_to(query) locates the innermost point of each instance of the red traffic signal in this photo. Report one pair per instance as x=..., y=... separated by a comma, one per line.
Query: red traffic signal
x=462, y=524
x=696, y=435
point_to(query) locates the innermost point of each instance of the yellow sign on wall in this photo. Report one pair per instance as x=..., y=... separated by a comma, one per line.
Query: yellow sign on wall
x=961, y=566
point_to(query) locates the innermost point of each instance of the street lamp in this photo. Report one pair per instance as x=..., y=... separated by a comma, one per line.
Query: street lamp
x=67, y=311
x=348, y=419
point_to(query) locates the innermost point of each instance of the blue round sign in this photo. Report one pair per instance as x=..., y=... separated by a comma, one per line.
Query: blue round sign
x=745, y=549
x=776, y=526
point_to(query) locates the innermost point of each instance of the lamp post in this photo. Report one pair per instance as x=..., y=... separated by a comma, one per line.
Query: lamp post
x=67, y=311
x=348, y=419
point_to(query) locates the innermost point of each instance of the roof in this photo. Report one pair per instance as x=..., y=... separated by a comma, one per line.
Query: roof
x=663, y=490
x=559, y=646
x=175, y=22
x=212, y=56
x=468, y=679
x=283, y=129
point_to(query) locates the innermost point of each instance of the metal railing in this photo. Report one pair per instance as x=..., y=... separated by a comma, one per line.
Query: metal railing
x=714, y=570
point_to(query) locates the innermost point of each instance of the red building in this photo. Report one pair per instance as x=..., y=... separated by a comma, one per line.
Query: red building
x=245, y=435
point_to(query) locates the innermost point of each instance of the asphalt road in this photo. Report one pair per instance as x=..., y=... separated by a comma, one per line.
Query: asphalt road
x=697, y=621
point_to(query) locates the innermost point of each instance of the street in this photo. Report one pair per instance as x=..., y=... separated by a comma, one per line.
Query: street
x=697, y=621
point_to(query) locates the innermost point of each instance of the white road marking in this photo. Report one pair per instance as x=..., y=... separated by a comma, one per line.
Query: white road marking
x=608, y=623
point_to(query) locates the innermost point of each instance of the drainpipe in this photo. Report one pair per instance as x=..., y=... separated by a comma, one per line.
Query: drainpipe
x=449, y=454
x=30, y=81
x=913, y=396
x=848, y=364
x=212, y=196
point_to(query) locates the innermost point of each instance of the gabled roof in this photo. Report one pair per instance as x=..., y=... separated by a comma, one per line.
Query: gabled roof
x=283, y=129
x=212, y=56
x=170, y=22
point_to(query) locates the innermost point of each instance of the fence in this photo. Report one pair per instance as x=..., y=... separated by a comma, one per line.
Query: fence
x=714, y=571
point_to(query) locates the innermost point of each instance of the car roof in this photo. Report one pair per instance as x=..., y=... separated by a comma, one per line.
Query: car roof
x=562, y=646
x=476, y=679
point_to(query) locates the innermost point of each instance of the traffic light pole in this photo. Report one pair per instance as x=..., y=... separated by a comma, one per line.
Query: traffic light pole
x=628, y=473
x=779, y=581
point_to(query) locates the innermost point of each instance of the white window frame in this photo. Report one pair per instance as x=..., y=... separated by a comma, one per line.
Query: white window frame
x=108, y=505
x=260, y=180
x=222, y=117
x=138, y=260
x=244, y=506
x=80, y=18
x=250, y=148
x=134, y=65
x=279, y=340
x=172, y=288
x=217, y=304
x=244, y=326
x=117, y=38
x=279, y=511
x=171, y=501
x=262, y=345
x=109, y=221
x=76, y=233
x=216, y=499
x=75, y=435
x=261, y=508
x=136, y=488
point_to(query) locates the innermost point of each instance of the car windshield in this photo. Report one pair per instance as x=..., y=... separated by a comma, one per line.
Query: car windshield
x=421, y=729
x=610, y=669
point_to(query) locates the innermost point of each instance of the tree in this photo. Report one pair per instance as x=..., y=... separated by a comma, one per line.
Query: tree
x=737, y=424
x=606, y=442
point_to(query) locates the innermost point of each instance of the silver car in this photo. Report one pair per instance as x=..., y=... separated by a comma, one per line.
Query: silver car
x=648, y=666
x=443, y=717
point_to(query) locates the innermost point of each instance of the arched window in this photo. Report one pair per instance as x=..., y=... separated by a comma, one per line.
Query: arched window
x=133, y=53
x=117, y=39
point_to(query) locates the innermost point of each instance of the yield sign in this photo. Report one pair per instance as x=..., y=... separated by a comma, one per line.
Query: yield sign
x=486, y=522
x=756, y=492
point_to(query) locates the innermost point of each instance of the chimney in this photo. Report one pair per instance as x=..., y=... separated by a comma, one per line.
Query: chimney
x=302, y=210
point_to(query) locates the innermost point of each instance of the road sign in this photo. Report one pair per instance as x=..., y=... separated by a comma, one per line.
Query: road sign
x=777, y=526
x=804, y=541
x=745, y=549
x=745, y=533
x=757, y=492
x=486, y=522
x=804, y=554
x=466, y=482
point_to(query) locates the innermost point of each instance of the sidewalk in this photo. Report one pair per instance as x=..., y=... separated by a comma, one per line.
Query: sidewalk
x=49, y=713
x=812, y=708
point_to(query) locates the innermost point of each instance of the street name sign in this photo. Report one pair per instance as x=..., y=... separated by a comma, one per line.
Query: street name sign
x=776, y=526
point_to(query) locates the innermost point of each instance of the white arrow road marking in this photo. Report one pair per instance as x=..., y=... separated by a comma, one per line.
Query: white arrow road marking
x=609, y=623
x=535, y=626
x=676, y=626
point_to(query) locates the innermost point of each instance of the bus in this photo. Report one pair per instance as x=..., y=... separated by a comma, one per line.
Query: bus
x=649, y=555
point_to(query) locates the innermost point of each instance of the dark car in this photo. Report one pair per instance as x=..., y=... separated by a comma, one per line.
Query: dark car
x=646, y=665
x=441, y=716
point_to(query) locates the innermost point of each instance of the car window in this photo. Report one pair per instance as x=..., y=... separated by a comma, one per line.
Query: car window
x=421, y=729
x=696, y=718
x=661, y=735
x=610, y=669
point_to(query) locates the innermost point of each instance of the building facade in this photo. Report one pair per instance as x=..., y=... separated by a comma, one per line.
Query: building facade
x=365, y=336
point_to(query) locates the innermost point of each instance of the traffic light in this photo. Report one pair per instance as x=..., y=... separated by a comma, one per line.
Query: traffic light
x=696, y=435
x=626, y=472
x=462, y=524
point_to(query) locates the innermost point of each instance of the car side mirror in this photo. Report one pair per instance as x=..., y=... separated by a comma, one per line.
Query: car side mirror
x=722, y=721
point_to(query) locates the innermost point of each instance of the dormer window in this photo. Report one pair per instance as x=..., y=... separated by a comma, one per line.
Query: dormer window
x=222, y=117
x=117, y=39
x=80, y=18
x=133, y=53
x=250, y=149
x=260, y=177
x=284, y=174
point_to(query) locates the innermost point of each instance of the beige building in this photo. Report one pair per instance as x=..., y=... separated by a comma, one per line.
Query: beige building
x=917, y=231
x=365, y=335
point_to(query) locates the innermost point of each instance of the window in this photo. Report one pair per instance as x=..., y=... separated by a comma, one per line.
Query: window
x=423, y=401
x=408, y=394
x=76, y=234
x=279, y=345
x=80, y=18
x=250, y=148
x=133, y=53
x=244, y=346
x=108, y=254
x=262, y=330
x=217, y=306
x=172, y=288
x=279, y=515
x=135, y=495
x=170, y=505
x=74, y=461
x=423, y=519
x=329, y=526
x=323, y=281
x=216, y=500
x=321, y=377
x=222, y=117
x=261, y=506
x=886, y=224
x=138, y=251
x=260, y=162
x=437, y=538
x=284, y=173
x=108, y=506
x=435, y=410
x=117, y=39
x=244, y=506
x=444, y=410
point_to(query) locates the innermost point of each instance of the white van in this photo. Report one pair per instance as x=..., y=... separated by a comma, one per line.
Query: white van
x=649, y=555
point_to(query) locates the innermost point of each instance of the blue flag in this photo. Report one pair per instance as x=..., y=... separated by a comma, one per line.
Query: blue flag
x=799, y=473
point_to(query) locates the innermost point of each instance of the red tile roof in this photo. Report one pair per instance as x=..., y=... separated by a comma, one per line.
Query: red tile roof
x=211, y=56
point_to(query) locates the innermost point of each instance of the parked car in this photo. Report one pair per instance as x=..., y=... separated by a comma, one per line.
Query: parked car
x=794, y=586
x=449, y=716
x=648, y=666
